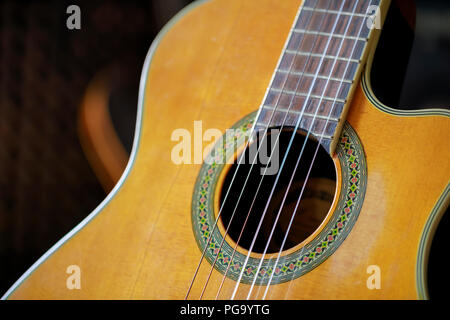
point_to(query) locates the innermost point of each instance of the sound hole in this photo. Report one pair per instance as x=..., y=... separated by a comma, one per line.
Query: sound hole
x=313, y=206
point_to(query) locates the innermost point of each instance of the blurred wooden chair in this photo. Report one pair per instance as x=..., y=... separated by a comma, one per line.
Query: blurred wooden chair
x=106, y=121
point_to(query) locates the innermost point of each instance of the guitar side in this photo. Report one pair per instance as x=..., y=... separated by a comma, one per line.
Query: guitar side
x=213, y=64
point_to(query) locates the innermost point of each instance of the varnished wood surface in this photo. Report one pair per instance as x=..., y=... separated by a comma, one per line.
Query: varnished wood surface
x=327, y=82
x=214, y=65
x=101, y=145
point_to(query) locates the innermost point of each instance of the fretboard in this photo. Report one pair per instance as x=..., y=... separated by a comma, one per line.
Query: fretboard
x=319, y=66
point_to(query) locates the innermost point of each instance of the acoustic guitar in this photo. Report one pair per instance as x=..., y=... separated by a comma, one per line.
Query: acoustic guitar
x=263, y=167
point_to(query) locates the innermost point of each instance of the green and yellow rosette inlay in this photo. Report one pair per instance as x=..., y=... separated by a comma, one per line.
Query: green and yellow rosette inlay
x=303, y=260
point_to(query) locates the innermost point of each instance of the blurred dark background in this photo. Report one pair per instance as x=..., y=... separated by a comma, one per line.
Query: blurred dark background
x=427, y=80
x=47, y=185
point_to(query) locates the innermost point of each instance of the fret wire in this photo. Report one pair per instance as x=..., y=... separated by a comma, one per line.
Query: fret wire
x=333, y=49
x=320, y=33
x=316, y=16
x=301, y=94
x=324, y=136
x=361, y=5
x=336, y=12
x=318, y=55
x=298, y=56
x=300, y=112
x=311, y=68
x=296, y=73
x=295, y=54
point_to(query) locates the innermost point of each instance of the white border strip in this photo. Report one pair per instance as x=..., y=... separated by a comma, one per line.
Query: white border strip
x=137, y=136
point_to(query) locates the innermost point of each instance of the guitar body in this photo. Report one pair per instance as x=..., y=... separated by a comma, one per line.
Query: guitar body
x=213, y=63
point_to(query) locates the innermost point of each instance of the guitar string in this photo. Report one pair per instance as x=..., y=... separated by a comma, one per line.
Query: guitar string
x=283, y=123
x=309, y=171
x=298, y=161
x=254, y=160
x=231, y=184
x=342, y=41
x=365, y=2
x=285, y=156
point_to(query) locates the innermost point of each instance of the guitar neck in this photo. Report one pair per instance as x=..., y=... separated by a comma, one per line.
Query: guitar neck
x=320, y=65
